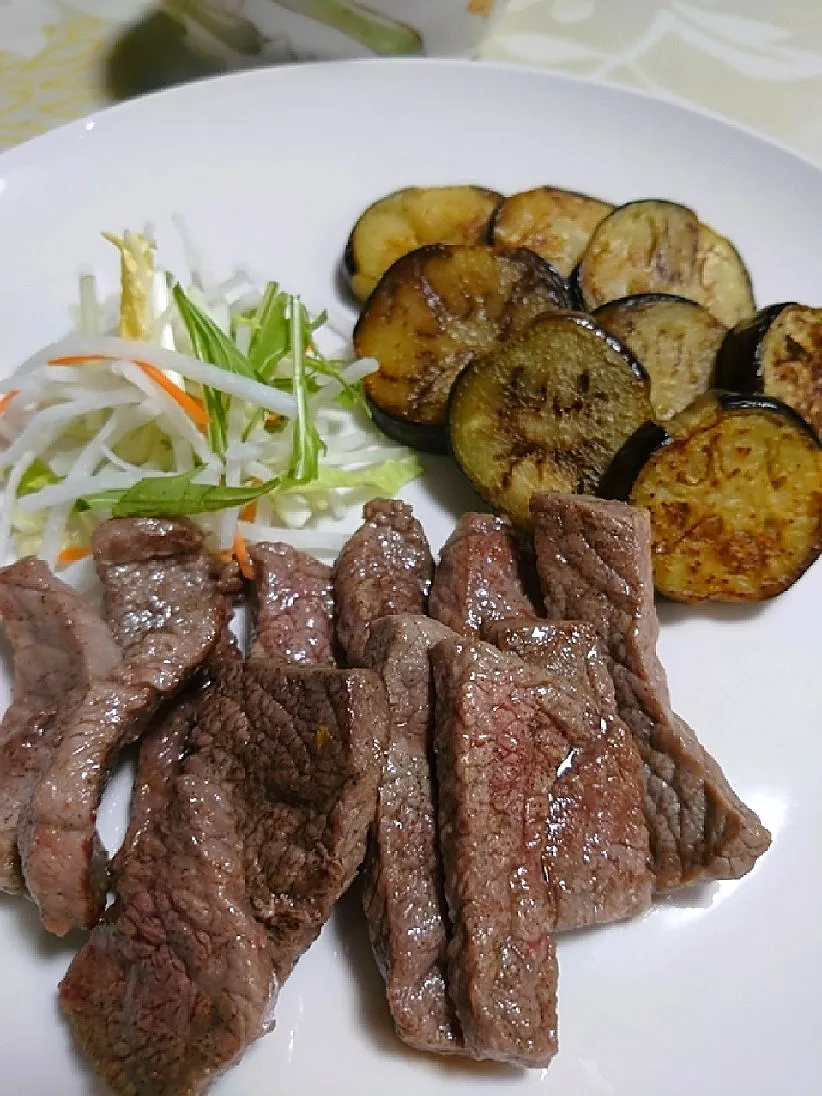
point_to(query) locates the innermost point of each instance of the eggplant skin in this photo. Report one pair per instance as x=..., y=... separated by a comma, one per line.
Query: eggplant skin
x=676, y=340
x=630, y=458
x=733, y=485
x=435, y=310
x=410, y=218
x=545, y=412
x=777, y=353
x=657, y=246
x=555, y=223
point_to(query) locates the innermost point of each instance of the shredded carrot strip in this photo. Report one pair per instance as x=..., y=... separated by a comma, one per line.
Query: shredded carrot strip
x=72, y=555
x=249, y=511
x=6, y=400
x=193, y=408
x=81, y=359
x=242, y=556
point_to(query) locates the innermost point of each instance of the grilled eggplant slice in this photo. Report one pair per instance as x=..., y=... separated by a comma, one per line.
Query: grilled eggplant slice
x=434, y=311
x=555, y=223
x=654, y=246
x=675, y=339
x=546, y=412
x=777, y=353
x=408, y=219
x=733, y=485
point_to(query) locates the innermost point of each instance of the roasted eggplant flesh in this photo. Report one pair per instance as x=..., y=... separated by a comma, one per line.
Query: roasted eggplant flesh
x=555, y=223
x=654, y=246
x=410, y=218
x=675, y=339
x=546, y=412
x=434, y=311
x=778, y=353
x=734, y=489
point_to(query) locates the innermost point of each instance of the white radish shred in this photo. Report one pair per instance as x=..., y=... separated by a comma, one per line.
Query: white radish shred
x=82, y=429
x=124, y=350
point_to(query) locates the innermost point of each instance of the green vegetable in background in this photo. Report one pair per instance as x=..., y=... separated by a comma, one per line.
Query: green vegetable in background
x=379, y=33
x=234, y=31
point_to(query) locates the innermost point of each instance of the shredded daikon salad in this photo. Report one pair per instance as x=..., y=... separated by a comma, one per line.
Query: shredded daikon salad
x=225, y=401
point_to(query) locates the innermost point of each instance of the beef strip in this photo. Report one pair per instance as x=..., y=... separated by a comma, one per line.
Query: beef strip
x=597, y=856
x=383, y=570
x=59, y=645
x=295, y=606
x=402, y=892
x=160, y=752
x=594, y=559
x=224, y=888
x=178, y=979
x=165, y=611
x=479, y=578
x=308, y=811
x=498, y=748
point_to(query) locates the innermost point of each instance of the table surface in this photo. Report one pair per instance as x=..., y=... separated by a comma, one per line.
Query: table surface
x=753, y=61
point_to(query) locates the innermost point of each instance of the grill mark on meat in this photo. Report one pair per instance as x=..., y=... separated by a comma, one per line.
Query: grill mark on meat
x=262, y=831
x=58, y=646
x=295, y=606
x=163, y=608
x=384, y=569
x=597, y=855
x=594, y=559
x=479, y=578
x=497, y=754
x=403, y=894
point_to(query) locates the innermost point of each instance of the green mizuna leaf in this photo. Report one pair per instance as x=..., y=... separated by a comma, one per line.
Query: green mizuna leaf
x=208, y=341
x=307, y=445
x=168, y=496
x=270, y=337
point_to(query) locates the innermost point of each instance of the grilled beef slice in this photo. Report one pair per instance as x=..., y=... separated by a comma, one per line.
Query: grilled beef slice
x=160, y=751
x=596, y=855
x=295, y=606
x=479, y=578
x=383, y=570
x=167, y=615
x=223, y=889
x=498, y=748
x=59, y=646
x=178, y=978
x=594, y=560
x=402, y=892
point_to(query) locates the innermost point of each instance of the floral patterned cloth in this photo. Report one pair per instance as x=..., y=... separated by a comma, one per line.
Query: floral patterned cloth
x=754, y=61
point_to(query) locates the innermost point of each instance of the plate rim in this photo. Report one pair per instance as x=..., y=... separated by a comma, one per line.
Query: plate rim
x=85, y=125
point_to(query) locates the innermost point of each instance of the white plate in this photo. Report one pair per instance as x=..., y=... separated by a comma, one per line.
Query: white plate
x=716, y=992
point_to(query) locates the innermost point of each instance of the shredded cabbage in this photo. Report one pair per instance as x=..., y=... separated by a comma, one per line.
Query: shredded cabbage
x=209, y=399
